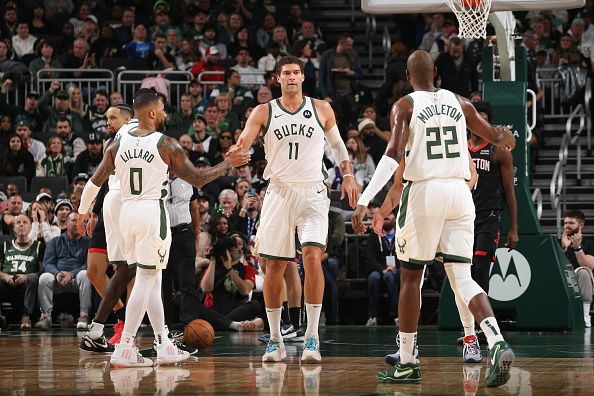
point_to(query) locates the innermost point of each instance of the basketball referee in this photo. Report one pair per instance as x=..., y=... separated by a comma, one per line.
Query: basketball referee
x=182, y=206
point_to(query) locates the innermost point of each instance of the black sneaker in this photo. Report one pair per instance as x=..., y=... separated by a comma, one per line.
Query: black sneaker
x=180, y=343
x=297, y=336
x=288, y=332
x=98, y=345
x=177, y=338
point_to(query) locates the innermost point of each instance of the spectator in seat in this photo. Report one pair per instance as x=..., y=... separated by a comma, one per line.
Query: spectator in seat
x=194, y=31
x=17, y=160
x=226, y=115
x=243, y=39
x=331, y=264
x=88, y=161
x=279, y=36
x=54, y=164
x=45, y=61
x=384, y=271
x=395, y=72
x=124, y=32
x=34, y=146
x=203, y=143
x=76, y=103
x=139, y=48
x=310, y=33
x=80, y=58
x=249, y=214
x=90, y=30
x=64, y=271
x=374, y=142
x=73, y=145
x=108, y=45
x=181, y=120
x=39, y=25
x=457, y=73
x=11, y=68
x=29, y=112
x=362, y=162
x=23, y=43
x=238, y=94
x=226, y=140
x=59, y=109
x=211, y=115
x=209, y=39
x=340, y=69
x=14, y=207
x=159, y=59
x=267, y=63
x=209, y=63
x=251, y=77
x=264, y=95
x=187, y=55
x=580, y=253
x=21, y=261
x=96, y=119
x=303, y=50
x=565, y=54
x=61, y=212
x=227, y=284
x=78, y=21
x=264, y=33
x=228, y=203
x=42, y=228
x=10, y=22
x=439, y=46
x=115, y=98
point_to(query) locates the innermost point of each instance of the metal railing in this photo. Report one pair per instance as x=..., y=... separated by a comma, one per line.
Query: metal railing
x=88, y=80
x=207, y=85
x=386, y=45
x=370, y=30
x=558, y=186
x=18, y=93
x=537, y=200
x=178, y=81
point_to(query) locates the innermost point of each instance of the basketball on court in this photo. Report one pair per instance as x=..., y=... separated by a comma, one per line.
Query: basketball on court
x=199, y=333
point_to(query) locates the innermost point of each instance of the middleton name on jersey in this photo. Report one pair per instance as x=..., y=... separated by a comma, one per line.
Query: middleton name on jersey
x=293, y=129
x=434, y=110
x=140, y=154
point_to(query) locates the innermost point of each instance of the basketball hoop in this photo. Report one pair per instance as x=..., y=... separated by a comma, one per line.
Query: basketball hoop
x=472, y=16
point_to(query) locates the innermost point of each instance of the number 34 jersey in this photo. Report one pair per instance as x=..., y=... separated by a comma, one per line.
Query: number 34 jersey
x=20, y=258
x=294, y=144
x=436, y=147
x=142, y=172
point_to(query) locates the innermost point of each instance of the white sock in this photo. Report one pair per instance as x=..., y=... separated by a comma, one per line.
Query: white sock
x=127, y=340
x=143, y=292
x=162, y=337
x=95, y=331
x=274, y=319
x=491, y=330
x=407, y=347
x=313, y=319
x=587, y=309
x=465, y=317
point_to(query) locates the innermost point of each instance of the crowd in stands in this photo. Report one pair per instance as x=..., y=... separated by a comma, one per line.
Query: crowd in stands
x=56, y=133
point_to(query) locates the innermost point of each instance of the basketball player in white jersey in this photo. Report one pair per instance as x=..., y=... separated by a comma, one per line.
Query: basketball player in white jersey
x=141, y=159
x=294, y=127
x=119, y=121
x=436, y=214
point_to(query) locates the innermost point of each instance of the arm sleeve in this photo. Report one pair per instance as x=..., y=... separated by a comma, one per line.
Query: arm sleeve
x=383, y=173
x=100, y=198
x=88, y=195
x=337, y=146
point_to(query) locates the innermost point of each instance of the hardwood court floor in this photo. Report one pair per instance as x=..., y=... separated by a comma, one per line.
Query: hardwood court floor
x=51, y=363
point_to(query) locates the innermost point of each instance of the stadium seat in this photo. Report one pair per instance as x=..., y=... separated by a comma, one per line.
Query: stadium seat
x=20, y=181
x=57, y=184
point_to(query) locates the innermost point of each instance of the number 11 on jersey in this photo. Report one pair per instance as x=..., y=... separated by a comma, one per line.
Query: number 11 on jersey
x=294, y=152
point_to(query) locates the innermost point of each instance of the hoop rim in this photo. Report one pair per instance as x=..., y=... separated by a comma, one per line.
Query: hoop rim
x=431, y=6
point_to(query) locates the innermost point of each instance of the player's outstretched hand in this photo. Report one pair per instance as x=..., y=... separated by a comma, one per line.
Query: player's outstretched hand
x=349, y=188
x=378, y=224
x=357, y=219
x=237, y=156
x=81, y=223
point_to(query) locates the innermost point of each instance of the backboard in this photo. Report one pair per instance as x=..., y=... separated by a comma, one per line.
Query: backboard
x=428, y=6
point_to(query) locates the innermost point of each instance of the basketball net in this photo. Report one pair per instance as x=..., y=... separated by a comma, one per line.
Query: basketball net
x=472, y=16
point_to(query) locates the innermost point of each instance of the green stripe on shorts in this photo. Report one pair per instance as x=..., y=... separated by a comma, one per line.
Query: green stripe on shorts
x=162, y=221
x=314, y=244
x=451, y=258
x=403, y=205
x=278, y=258
x=149, y=267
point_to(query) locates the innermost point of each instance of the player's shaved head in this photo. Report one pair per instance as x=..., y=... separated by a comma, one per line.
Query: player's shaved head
x=145, y=97
x=420, y=65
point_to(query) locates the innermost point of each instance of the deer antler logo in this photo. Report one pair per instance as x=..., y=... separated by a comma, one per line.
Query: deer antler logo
x=401, y=245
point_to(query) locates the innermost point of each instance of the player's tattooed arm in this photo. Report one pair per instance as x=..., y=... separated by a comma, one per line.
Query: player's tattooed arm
x=107, y=165
x=175, y=156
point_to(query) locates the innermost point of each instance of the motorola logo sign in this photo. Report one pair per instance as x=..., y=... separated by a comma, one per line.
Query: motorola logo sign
x=510, y=275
